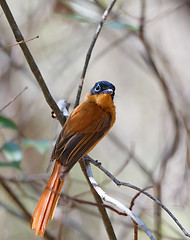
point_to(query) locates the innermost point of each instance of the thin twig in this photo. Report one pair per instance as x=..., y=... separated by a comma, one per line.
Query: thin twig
x=170, y=103
x=11, y=211
x=136, y=159
x=21, y=206
x=142, y=19
x=18, y=202
x=104, y=17
x=165, y=13
x=120, y=183
x=135, y=230
x=102, y=210
x=31, y=62
x=67, y=198
x=18, y=95
x=137, y=195
x=27, y=179
x=15, y=44
x=169, y=153
x=47, y=94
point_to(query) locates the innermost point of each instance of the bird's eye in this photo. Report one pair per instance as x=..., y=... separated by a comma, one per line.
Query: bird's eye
x=98, y=88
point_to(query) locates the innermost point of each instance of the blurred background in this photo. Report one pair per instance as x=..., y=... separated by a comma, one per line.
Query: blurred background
x=143, y=50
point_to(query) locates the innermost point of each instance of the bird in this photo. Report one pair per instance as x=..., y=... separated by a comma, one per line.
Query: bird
x=85, y=127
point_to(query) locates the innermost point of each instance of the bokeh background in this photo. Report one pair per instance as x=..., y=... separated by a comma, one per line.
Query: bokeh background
x=146, y=56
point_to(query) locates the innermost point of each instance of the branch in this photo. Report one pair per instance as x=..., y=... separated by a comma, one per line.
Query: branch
x=166, y=12
x=135, y=158
x=136, y=196
x=169, y=100
x=47, y=95
x=21, y=206
x=167, y=93
x=18, y=95
x=120, y=183
x=46, y=92
x=142, y=19
x=32, y=64
x=115, y=202
x=101, y=208
x=15, y=44
x=67, y=198
x=104, y=17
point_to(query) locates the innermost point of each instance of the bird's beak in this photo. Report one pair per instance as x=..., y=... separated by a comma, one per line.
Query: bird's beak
x=110, y=91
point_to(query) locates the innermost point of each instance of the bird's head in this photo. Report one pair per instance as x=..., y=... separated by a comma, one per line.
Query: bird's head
x=102, y=94
x=103, y=87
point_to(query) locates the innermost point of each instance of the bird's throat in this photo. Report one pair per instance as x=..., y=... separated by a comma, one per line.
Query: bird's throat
x=104, y=100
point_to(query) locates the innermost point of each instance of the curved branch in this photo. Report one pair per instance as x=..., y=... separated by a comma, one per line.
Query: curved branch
x=120, y=183
x=115, y=202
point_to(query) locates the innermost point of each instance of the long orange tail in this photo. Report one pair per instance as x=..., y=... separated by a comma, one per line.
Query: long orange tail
x=48, y=202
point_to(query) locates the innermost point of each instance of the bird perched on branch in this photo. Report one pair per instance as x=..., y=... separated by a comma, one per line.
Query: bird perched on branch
x=85, y=127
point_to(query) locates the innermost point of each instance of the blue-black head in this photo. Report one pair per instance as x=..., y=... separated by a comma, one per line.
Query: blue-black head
x=103, y=87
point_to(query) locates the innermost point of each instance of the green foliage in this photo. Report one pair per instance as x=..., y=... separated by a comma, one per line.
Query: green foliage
x=13, y=154
x=121, y=25
x=7, y=123
x=40, y=145
x=111, y=24
x=13, y=164
x=80, y=18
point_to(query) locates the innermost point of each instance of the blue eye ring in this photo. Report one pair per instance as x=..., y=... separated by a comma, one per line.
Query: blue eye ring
x=98, y=88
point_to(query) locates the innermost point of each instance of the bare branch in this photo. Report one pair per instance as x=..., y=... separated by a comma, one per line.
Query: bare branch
x=142, y=19
x=136, y=159
x=167, y=92
x=115, y=202
x=104, y=17
x=46, y=92
x=21, y=206
x=136, y=196
x=18, y=95
x=31, y=62
x=120, y=183
x=67, y=198
x=101, y=208
x=166, y=12
x=15, y=44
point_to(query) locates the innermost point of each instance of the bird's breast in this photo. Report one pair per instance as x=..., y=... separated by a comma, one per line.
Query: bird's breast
x=90, y=114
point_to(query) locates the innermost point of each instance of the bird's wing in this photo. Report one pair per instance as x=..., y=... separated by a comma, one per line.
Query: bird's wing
x=82, y=131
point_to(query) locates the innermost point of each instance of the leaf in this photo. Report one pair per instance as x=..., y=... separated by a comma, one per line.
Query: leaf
x=40, y=145
x=6, y=122
x=12, y=152
x=13, y=164
x=79, y=18
x=121, y=25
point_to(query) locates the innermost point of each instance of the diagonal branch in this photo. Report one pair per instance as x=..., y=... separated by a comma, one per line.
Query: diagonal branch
x=31, y=62
x=104, y=17
x=21, y=206
x=101, y=207
x=18, y=95
x=34, y=68
x=115, y=202
x=120, y=183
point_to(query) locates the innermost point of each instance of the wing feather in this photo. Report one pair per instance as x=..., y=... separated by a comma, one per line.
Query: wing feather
x=81, y=132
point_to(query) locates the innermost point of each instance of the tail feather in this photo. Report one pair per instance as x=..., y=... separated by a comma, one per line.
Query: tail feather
x=55, y=201
x=47, y=204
